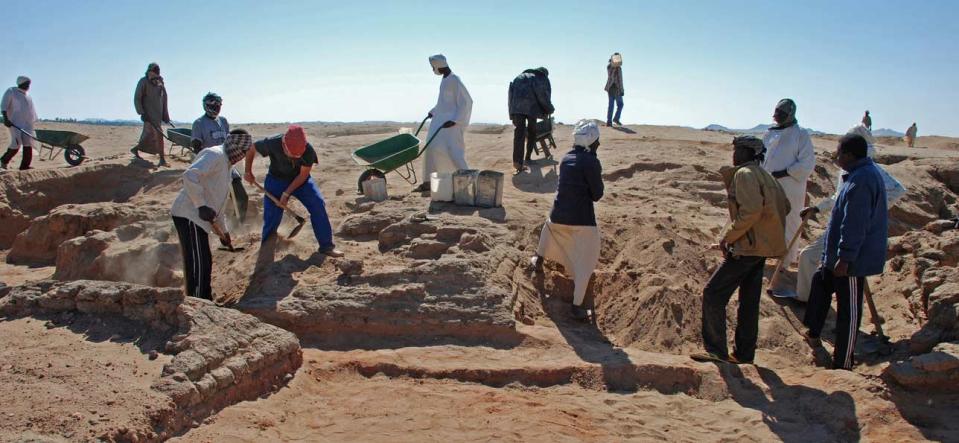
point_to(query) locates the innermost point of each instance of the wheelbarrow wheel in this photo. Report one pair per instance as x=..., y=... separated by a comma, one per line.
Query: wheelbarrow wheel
x=366, y=175
x=74, y=155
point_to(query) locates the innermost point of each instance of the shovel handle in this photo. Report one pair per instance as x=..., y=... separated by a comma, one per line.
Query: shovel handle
x=276, y=200
x=792, y=242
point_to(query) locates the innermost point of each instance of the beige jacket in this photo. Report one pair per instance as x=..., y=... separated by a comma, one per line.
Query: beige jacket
x=757, y=210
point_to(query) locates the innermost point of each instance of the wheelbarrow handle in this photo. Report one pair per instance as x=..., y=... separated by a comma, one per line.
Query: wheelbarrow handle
x=430, y=140
x=31, y=136
x=421, y=126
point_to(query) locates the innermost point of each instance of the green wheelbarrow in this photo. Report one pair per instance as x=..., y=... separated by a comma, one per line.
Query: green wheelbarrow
x=391, y=155
x=182, y=137
x=66, y=141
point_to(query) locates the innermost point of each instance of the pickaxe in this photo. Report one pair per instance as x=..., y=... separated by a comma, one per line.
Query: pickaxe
x=300, y=221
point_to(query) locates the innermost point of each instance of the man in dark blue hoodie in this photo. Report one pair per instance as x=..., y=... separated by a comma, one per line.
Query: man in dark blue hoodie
x=855, y=249
x=529, y=99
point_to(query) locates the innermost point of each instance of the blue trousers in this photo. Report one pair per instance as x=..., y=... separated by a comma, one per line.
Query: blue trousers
x=308, y=194
x=618, y=101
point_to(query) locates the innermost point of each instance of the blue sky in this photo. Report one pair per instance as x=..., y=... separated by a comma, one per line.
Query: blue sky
x=685, y=62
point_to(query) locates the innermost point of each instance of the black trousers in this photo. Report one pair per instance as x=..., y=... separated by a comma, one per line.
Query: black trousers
x=524, y=136
x=197, y=260
x=745, y=273
x=242, y=199
x=25, y=159
x=849, y=297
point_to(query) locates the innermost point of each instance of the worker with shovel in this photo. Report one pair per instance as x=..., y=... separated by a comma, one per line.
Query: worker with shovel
x=855, y=248
x=19, y=115
x=291, y=160
x=757, y=212
x=150, y=101
x=198, y=209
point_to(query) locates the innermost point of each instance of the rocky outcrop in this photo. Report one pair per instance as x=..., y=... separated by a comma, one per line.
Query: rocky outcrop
x=936, y=371
x=38, y=244
x=220, y=356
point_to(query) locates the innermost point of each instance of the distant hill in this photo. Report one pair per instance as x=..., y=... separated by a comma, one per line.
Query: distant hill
x=755, y=130
x=885, y=132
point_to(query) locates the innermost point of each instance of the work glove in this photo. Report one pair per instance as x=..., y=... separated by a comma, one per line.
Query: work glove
x=449, y=124
x=207, y=213
x=6, y=120
x=780, y=173
x=196, y=145
x=429, y=115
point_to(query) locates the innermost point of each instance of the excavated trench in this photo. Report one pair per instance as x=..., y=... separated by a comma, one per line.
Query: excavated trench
x=441, y=297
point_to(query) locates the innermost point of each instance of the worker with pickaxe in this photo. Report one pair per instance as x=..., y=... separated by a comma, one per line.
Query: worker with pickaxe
x=291, y=160
x=198, y=209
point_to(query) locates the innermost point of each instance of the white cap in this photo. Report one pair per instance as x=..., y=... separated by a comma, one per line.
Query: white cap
x=585, y=133
x=438, y=61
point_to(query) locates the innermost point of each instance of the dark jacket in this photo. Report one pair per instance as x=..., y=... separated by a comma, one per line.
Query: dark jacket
x=529, y=94
x=580, y=184
x=858, y=226
x=150, y=101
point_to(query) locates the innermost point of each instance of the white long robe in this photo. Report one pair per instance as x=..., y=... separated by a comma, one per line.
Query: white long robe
x=577, y=248
x=791, y=149
x=447, y=152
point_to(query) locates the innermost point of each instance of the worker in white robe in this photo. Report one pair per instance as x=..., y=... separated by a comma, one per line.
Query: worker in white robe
x=811, y=256
x=450, y=117
x=790, y=158
x=571, y=236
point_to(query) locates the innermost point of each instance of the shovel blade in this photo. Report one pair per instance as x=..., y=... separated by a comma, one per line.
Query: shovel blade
x=297, y=229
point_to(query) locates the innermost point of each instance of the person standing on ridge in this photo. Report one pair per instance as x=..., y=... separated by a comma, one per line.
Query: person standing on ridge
x=18, y=111
x=614, y=89
x=150, y=101
x=867, y=120
x=529, y=99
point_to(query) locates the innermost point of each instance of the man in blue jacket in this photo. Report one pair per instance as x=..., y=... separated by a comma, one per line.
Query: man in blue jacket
x=529, y=99
x=855, y=249
x=570, y=236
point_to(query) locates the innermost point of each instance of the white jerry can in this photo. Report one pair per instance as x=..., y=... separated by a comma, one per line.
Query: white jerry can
x=441, y=186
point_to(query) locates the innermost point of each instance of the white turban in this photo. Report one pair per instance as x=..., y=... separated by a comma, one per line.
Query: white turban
x=585, y=133
x=22, y=79
x=438, y=61
x=864, y=132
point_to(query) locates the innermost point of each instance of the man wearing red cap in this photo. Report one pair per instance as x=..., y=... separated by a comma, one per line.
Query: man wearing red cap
x=291, y=159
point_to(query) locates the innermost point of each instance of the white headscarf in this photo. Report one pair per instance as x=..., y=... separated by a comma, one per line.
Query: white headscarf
x=585, y=133
x=438, y=61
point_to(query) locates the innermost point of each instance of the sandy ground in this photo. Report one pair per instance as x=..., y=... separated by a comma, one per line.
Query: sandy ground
x=663, y=207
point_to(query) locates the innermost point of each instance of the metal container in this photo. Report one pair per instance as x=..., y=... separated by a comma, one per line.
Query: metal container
x=464, y=187
x=489, y=189
x=375, y=189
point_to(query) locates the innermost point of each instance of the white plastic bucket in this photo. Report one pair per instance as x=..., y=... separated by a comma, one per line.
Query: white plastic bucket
x=375, y=189
x=489, y=189
x=441, y=186
x=464, y=187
